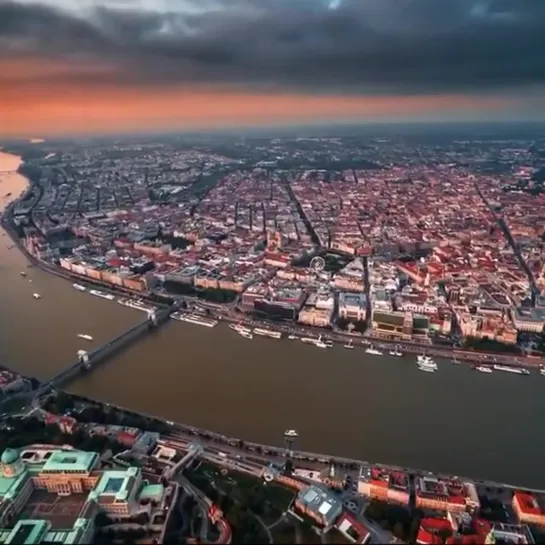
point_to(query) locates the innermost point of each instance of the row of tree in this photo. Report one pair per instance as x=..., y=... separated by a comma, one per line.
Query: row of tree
x=241, y=498
x=403, y=524
x=88, y=411
x=21, y=432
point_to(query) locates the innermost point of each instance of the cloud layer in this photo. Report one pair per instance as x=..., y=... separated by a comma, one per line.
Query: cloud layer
x=363, y=46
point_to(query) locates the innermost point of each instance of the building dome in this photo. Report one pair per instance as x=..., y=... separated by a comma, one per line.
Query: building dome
x=9, y=456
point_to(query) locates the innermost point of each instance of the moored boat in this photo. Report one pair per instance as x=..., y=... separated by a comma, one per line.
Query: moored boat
x=267, y=333
x=483, y=369
x=195, y=319
x=514, y=370
x=245, y=333
x=102, y=294
x=425, y=363
x=396, y=352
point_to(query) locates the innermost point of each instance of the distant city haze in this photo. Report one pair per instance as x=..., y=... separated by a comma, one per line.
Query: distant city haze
x=143, y=65
x=341, y=401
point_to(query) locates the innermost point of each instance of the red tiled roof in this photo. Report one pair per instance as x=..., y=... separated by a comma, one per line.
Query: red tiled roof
x=362, y=531
x=379, y=483
x=126, y=437
x=527, y=503
x=431, y=523
x=427, y=538
x=482, y=527
x=465, y=540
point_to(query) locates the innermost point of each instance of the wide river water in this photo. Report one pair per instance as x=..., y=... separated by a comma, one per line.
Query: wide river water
x=341, y=402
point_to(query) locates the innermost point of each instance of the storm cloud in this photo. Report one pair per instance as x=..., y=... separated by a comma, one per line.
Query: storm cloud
x=366, y=46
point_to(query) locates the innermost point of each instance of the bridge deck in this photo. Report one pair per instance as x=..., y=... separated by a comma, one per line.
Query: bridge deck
x=102, y=352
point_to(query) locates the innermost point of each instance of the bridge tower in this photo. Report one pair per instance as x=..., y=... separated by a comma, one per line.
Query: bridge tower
x=83, y=358
x=152, y=318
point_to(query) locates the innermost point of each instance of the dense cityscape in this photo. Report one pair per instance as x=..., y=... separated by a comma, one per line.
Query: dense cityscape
x=405, y=241
x=408, y=244
x=272, y=272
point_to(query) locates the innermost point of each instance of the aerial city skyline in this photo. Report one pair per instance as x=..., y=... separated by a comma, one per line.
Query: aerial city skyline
x=274, y=282
x=94, y=67
x=272, y=271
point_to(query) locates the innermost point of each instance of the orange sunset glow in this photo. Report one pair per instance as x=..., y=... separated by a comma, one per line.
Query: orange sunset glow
x=51, y=110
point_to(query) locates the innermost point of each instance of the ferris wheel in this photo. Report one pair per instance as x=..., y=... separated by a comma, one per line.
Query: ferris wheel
x=317, y=264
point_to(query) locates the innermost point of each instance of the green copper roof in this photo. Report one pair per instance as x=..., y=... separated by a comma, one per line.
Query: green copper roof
x=152, y=491
x=114, y=483
x=28, y=532
x=11, y=486
x=70, y=460
x=9, y=456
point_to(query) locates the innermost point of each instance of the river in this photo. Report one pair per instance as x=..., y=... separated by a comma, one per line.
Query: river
x=341, y=402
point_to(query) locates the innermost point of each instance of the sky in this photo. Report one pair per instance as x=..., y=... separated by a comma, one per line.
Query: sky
x=98, y=66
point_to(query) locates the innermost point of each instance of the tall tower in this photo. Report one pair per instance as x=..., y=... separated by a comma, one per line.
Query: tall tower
x=83, y=358
x=152, y=318
x=331, y=471
x=290, y=437
x=274, y=240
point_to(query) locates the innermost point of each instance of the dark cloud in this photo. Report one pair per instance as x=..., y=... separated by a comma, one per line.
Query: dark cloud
x=365, y=45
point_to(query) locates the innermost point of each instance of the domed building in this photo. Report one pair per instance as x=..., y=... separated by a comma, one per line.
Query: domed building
x=15, y=484
x=67, y=477
x=11, y=464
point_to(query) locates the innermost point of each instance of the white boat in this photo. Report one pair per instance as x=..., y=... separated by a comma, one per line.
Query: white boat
x=246, y=334
x=483, y=369
x=267, y=333
x=373, y=351
x=425, y=363
x=396, y=352
x=102, y=294
x=320, y=343
x=86, y=337
x=514, y=370
x=423, y=359
x=291, y=433
x=36, y=296
x=23, y=273
x=79, y=287
x=293, y=337
x=542, y=370
x=136, y=304
x=349, y=345
x=195, y=319
x=239, y=327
